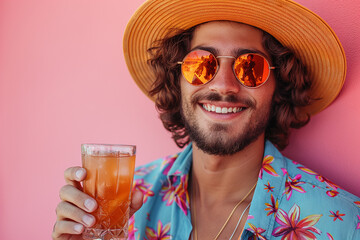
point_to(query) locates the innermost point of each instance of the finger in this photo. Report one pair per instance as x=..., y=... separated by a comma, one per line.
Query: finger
x=66, y=227
x=67, y=211
x=69, y=193
x=136, y=201
x=74, y=175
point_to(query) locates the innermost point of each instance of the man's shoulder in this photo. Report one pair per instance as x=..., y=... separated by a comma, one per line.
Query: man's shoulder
x=320, y=186
x=297, y=176
x=297, y=190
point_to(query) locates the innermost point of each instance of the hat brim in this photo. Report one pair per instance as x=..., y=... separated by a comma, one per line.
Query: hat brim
x=296, y=27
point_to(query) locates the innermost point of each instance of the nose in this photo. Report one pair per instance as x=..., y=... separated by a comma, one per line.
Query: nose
x=225, y=82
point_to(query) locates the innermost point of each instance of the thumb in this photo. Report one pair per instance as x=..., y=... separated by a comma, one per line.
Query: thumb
x=136, y=201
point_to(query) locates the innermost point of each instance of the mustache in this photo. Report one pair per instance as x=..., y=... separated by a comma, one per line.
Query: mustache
x=216, y=97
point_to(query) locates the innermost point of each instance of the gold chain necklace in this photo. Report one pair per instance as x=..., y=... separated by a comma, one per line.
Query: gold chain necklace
x=227, y=220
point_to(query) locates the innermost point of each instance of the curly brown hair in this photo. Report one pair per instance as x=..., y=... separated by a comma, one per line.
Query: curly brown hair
x=291, y=93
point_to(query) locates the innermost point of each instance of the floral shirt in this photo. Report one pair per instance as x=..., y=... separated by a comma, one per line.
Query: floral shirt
x=290, y=202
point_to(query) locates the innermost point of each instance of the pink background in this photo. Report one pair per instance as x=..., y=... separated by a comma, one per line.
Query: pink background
x=63, y=82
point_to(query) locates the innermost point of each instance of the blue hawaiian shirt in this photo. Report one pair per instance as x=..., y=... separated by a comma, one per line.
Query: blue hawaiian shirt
x=289, y=200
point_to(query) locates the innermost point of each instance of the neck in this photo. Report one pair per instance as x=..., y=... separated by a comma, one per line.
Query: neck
x=226, y=179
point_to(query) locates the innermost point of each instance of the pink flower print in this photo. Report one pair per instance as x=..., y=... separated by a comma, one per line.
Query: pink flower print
x=330, y=236
x=358, y=225
x=357, y=203
x=168, y=163
x=168, y=194
x=160, y=233
x=144, y=170
x=327, y=182
x=268, y=187
x=144, y=187
x=293, y=184
x=337, y=215
x=308, y=171
x=132, y=230
x=333, y=187
x=177, y=193
x=272, y=207
x=267, y=167
x=291, y=228
x=257, y=232
x=284, y=170
x=332, y=193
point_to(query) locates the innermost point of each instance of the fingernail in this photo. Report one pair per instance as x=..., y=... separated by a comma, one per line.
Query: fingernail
x=88, y=220
x=89, y=204
x=80, y=174
x=78, y=228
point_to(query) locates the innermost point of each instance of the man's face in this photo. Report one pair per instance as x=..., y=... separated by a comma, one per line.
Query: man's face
x=241, y=114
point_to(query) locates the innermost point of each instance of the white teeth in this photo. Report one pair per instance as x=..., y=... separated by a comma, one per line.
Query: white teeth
x=224, y=110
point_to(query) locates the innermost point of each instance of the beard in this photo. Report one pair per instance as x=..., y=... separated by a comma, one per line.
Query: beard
x=216, y=140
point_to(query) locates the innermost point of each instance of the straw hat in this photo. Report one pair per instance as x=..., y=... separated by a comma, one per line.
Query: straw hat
x=295, y=26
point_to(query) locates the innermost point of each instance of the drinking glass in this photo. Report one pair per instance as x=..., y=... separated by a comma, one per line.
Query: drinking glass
x=110, y=171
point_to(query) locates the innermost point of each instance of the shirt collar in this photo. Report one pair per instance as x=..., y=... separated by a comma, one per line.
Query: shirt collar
x=183, y=162
x=271, y=173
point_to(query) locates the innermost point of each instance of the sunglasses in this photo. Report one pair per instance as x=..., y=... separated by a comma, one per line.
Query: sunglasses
x=200, y=67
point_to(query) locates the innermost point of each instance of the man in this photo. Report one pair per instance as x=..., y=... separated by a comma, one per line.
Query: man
x=230, y=182
x=249, y=70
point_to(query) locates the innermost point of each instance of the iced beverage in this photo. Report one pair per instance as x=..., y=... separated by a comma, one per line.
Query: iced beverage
x=110, y=170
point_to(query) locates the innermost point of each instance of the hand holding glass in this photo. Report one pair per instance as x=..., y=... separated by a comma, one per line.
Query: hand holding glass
x=110, y=171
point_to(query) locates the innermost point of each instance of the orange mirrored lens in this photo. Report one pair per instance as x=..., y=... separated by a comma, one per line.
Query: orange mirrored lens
x=251, y=69
x=199, y=67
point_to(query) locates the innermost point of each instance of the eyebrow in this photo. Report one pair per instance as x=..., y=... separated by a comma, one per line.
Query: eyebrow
x=235, y=52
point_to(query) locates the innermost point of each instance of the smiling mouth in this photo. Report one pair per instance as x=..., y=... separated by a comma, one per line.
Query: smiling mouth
x=222, y=110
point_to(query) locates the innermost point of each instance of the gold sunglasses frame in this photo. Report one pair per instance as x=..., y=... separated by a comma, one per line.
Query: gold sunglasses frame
x=233, y=67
